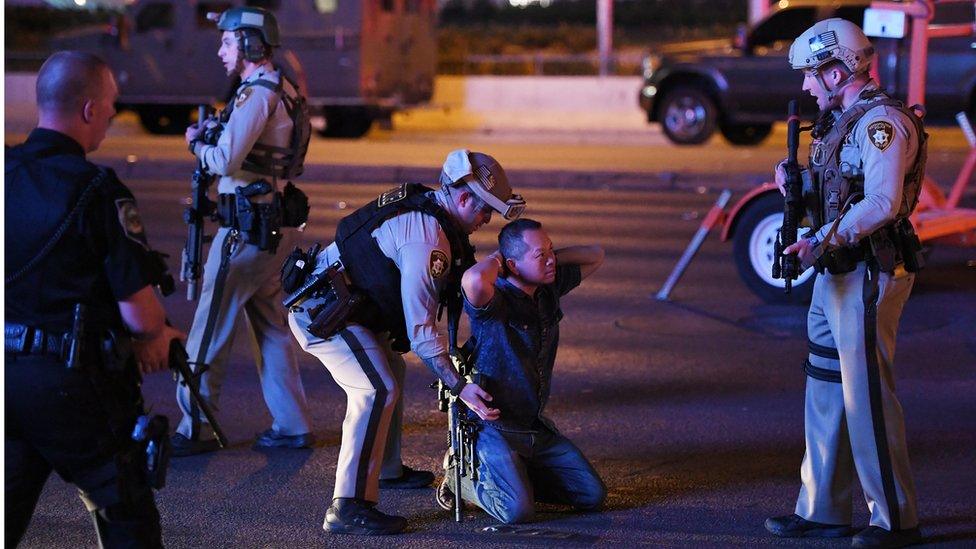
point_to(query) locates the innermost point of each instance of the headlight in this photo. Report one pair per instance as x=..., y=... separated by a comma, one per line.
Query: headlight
x=650, y=64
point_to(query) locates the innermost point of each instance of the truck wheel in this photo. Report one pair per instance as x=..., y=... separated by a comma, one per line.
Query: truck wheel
x=688, y=115
x=346, y=122
x=165, y=119
x=753, y=247
x=746, y=134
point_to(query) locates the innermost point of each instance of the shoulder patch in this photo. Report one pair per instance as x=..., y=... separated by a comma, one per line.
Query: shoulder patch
x=131, y=221
x=881, y=133
x=243, y=95
x=439, y=264
x=395, y=194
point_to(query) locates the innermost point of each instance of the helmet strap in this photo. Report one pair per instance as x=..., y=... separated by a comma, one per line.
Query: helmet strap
x=838, y=89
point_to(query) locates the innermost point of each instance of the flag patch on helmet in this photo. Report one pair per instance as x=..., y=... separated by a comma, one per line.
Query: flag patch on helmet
x=881, y=134
x=438, y=264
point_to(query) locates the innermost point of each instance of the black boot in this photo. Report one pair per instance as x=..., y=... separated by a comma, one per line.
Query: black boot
x=357, y=516
x=795, y=526
x=875, y=536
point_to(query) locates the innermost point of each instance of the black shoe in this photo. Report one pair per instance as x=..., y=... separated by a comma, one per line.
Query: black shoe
x=356, y=516
x=274, y=439
x=410, y=478
x=445, y=495
x=875, y=536
x=795, y=526
x=183, y=447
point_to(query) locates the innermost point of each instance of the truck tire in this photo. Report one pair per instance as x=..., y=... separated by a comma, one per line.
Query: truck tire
x=688, y=115
x=746, y=134
x=753, y=246
x=346, y=122
x=165, y=119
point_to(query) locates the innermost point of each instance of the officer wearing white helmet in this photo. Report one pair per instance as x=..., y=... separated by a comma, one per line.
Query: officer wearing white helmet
x=866, y=166
x=255, y=146
x=393, y=263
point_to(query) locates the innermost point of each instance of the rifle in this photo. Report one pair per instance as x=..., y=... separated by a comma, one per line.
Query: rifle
x=461, y=429
x=194, y=216
x=179, y=363
x=787, y=267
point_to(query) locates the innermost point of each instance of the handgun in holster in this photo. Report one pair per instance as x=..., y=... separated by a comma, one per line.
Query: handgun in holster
x=338, y=301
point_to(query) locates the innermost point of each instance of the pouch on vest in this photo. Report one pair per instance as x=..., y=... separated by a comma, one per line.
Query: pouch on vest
x=294, y=206
x=297, y=266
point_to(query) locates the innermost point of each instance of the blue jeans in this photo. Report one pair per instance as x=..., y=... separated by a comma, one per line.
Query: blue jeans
x=517, y=469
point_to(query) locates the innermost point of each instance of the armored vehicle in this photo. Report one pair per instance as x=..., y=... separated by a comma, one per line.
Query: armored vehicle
x=355, y=60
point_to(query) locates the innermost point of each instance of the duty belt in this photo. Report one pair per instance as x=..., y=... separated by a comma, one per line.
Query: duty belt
x=227, y=209
x=26, y=340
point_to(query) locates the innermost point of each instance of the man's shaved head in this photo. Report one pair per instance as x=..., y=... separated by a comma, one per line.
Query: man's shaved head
x=68, y=79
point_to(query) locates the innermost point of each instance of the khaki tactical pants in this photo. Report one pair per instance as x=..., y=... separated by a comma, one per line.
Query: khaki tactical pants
x=852, y=417
x=371, y=374
x=239, y=278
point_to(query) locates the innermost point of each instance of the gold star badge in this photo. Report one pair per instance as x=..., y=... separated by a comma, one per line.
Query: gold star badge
x=438, y=264
x=881, y=133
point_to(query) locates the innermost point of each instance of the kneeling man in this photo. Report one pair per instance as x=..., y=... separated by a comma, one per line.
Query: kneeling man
x=512, y=298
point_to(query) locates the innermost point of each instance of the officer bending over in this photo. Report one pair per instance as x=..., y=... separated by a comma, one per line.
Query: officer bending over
x=512, y=297
x=867, y=161
x=401, y=256
x=256, y=151
x=80, y=314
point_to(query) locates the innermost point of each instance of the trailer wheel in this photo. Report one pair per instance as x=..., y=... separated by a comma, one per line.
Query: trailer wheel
x=346, y=122
x=165, y=119
x=753, y=246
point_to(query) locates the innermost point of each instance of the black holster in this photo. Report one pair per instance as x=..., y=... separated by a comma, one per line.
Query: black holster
x=259, y=222
x=842, y=260
x=339, y=306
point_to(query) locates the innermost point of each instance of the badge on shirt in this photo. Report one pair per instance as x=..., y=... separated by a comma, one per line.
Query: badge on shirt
x=438, y=264
x=130, y=220
x=242, y=97
x=881, y=133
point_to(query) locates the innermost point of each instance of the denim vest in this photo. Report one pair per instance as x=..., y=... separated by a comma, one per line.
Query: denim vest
x=516, y=336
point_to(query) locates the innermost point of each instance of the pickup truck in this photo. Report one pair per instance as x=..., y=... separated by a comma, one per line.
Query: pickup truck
x=741, y=86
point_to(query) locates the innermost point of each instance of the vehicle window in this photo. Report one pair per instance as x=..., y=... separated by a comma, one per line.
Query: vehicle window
x=156, y=15
x=203, y=8
x=853, y=14
x=326, y=6
x=954, y=13
x=783, y=26
x=266, y=4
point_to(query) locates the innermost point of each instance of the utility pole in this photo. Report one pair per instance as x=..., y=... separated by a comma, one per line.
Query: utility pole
x=604, y=34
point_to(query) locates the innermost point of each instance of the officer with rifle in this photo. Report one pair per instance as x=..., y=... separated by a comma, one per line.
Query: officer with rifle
x=255, y=146
x=82, y=320
x=519, y=457
x=393, y=263
x=867, y=161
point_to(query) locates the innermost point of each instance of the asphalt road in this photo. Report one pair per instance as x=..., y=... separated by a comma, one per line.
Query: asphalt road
x=691, y=410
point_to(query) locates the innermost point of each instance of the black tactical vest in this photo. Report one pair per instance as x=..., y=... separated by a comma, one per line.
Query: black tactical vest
x=838, y=175
x=377, y=276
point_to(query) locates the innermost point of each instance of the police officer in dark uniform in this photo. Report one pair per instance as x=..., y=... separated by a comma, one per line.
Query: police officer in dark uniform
x=80, y=314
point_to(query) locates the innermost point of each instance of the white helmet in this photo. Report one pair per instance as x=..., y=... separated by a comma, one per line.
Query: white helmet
x=832, y=39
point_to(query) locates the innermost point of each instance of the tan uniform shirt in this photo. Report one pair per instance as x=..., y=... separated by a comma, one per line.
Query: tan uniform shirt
x=884, y=145
x=258, y=116
x=420, y=249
